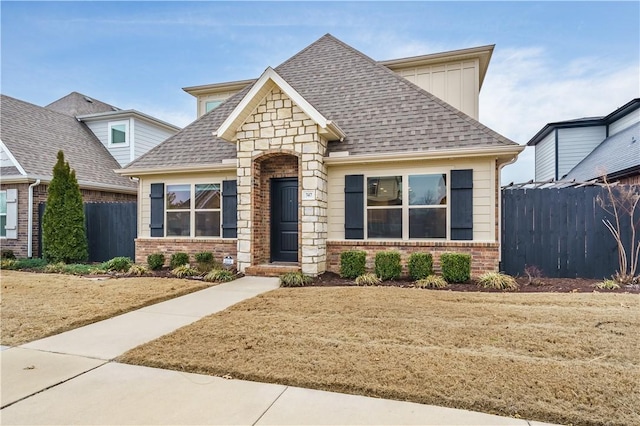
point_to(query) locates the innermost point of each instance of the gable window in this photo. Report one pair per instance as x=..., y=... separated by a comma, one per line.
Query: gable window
x=119, y=133
x=211, y=105
x=407, y=207
x=193, y=210
x=3, y=213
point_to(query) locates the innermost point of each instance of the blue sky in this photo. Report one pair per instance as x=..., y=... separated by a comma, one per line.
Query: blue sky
x=553, y=60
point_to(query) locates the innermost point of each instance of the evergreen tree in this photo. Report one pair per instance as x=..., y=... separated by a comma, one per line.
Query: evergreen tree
x=63, y=231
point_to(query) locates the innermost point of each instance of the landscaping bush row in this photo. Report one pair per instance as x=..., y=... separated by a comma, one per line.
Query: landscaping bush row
x=456, y=267
x=204, y=261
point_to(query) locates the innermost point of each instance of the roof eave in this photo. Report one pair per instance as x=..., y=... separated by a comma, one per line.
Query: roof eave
x=228, y=86
x=117, y=115
x=230, y=164
x=506, y=152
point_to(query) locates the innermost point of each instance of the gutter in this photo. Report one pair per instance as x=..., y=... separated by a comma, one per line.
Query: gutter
x=232, y=165
x=30, y=220
x=345, y=158
x=500, y=166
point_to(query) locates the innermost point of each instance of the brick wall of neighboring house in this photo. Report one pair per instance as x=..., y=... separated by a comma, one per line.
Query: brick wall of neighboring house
x=219, y=247
x=484, y=256
x=266, y=168
x=20, y=245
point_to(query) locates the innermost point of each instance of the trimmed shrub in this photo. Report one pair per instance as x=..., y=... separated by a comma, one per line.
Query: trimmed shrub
x=185, y=270
x=456, y=267
x=138, y=270
x=220, y=276
x=352, y=263
x=420, y=265
x=118, y=264
x=63, y=233
x=178, y=259
x=497, y=281
x=204, y=261
x=431, y=281
x=368, y=279
x=294, y=279
x=387, y=265
x=155, y=261
x=7, y=254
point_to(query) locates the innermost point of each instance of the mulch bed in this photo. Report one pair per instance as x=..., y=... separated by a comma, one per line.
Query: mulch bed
x=544, y=285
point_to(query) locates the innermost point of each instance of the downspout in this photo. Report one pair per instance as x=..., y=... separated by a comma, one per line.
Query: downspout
x=513, y=160
x=30, y=220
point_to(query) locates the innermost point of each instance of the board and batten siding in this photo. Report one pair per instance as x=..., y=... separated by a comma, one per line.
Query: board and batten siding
x=545, y=153
x=484, y=190
x=456, y=83
x=101, y=130
x=624, y=122
x=148, y=136
x=575, y=144
x=144, y=201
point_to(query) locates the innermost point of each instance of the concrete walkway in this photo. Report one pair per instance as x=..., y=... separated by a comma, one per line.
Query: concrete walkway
x=70, y=379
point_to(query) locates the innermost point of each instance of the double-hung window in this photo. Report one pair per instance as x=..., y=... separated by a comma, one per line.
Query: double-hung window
x=193, y=210
x=3, y=213
x=407, y=206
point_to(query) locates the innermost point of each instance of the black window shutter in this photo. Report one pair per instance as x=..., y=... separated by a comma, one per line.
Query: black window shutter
x=354, y=207
x=157, y=210
x=229, y=209
x=462, y=204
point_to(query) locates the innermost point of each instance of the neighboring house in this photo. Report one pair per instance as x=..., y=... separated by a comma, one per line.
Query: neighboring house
x=30, y=138
x=591, y=148
x=330, y=151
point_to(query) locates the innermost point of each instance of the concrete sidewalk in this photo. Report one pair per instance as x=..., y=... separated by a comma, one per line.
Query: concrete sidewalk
x=70, y=379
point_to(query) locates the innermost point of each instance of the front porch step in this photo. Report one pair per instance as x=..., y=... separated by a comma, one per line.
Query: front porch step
x=272, y=269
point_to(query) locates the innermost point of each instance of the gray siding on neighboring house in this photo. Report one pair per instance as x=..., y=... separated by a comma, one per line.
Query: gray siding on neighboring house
x=546, y=158
x=576, y=143
x=148, y=136
x=101, y=130
x=624, y=122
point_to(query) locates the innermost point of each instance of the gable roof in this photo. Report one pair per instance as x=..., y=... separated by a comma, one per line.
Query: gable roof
x=378, y=111
x=34, y=135
x=75, y=104
x=616, y=156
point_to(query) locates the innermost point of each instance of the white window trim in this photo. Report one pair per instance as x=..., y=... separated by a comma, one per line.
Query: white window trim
x=11, y=228
x=192, y=210
x=127, y=134
x=405, y=206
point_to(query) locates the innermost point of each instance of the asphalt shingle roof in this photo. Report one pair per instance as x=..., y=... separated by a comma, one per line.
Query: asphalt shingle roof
x=35, y=134
x=379, y=111
x=615, y=154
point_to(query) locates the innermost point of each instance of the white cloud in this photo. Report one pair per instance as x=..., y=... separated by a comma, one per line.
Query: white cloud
x=523, y=91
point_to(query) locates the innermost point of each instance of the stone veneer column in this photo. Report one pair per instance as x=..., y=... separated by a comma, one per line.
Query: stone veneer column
x=278, y=125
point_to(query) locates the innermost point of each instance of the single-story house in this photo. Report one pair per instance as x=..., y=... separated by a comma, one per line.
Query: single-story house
x=95, y=137
x=327, y=152
x=591, y=148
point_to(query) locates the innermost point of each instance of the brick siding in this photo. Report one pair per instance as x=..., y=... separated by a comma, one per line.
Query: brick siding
x=484, y=256
x=168, y=246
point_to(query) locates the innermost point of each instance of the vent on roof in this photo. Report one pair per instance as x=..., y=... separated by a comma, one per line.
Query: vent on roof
x=115, y=109
x=88, y=99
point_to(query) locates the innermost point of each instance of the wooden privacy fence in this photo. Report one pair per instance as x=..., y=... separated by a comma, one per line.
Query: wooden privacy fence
x=559, y=231
x=111, y=229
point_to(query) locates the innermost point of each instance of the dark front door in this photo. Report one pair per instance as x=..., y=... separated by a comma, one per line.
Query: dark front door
x=284, y=220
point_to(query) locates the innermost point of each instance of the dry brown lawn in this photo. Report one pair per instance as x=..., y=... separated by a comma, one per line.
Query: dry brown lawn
x=36, y=305
x=564, y=358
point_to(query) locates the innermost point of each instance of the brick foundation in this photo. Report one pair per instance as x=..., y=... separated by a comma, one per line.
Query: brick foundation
x=484, y=256
x=20, y=244
x=168, y=246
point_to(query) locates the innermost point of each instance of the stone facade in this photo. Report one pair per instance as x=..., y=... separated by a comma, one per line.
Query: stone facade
x=168, y=246
x=20, y=244
x=279, y=128
x=485, y=257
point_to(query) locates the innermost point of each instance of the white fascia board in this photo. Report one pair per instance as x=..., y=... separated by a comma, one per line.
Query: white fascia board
x=270, y=75
x=126, y=114
x=15, y=162
x=177, y=169
x=504, y=151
